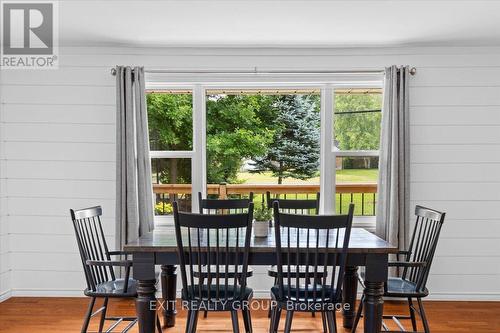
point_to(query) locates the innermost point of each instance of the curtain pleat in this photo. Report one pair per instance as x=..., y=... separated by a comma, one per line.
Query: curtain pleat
x=134, y=194
x=393, y=202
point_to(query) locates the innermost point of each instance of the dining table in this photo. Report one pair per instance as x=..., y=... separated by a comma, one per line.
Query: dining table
x=159, y=248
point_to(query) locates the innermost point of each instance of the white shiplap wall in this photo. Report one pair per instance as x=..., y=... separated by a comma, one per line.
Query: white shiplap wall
x=58, y=147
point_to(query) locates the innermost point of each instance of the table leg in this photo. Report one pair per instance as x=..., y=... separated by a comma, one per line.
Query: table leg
x=376, y=275
x=349, y=293
x=145, y=305
x=169, y=291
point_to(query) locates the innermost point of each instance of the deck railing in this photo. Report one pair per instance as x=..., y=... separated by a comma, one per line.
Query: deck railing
x=363, y=195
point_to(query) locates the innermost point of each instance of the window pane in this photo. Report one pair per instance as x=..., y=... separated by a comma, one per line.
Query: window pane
x=357, y=120
x=263, y=138
x=171, y=181
x=170, y=117
x=356, y=181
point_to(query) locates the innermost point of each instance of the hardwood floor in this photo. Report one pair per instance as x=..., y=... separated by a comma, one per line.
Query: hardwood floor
x=58, y=315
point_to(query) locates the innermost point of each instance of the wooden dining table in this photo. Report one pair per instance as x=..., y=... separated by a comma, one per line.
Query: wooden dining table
x=160, y=248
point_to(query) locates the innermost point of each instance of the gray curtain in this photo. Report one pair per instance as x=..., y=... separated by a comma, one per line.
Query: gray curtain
x=134, y=194
x=394, y=163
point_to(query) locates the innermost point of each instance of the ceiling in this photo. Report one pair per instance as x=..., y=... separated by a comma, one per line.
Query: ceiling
x=317, y=23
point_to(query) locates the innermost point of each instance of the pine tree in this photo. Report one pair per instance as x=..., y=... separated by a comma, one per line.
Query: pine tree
x=294, y=152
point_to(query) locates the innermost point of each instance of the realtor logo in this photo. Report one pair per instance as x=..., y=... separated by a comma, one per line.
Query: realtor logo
x=29, y=35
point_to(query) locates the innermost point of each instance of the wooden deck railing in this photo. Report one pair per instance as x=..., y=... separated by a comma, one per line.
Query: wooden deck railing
x=363, y=195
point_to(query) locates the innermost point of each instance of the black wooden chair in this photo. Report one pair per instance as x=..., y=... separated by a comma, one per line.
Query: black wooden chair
x=293, y=206
x=98, y=268
x=312, y=241
x=414, y=267
x=222, y=207
x=220, y=243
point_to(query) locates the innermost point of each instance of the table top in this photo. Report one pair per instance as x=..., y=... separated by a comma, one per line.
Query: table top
x=162, y=239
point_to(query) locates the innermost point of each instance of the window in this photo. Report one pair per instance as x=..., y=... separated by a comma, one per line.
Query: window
x=293, y=139
x=357, y=119
x=170, y=122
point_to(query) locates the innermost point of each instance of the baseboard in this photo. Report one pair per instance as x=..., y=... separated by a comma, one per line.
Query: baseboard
x=258, y=294
x=5, y=295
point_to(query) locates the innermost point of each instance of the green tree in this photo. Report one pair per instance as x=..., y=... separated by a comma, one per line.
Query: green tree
x=236, y=130
x=357, y=131
x=294, y=151
x=170, y=123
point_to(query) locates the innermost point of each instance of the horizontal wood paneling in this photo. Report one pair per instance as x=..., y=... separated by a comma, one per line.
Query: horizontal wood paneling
x=31, y=207
x=56, y=225
x=455, y=135
x=95, y=133
x=434, y=172
x=63, y=94
x=71, y=170
x=91, y=189
x=469, y=115
x=56, y=114
x=473, y=191
x=58, y=152
x=455, y=154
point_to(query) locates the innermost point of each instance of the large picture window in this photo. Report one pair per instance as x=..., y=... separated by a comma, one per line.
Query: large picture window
x=293, y=140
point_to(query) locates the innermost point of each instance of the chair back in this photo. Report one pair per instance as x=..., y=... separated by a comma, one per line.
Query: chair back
x=423, y=245
x=218, y=244
x=314, y=241
x=92, y=245
x=295, y=206
x=224, y=206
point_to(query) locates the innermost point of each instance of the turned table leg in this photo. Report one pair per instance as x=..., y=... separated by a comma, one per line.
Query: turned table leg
x=376, y=276
x=349, y=293
x=169, y=288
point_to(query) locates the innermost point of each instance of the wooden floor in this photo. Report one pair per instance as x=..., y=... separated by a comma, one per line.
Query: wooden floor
x=58, y=315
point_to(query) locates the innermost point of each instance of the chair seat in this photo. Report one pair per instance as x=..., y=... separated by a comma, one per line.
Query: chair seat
x=397, y=287
x=273, y=272
x=222, y=270
x=215, y=300
x=114, y=289
x=311, y=297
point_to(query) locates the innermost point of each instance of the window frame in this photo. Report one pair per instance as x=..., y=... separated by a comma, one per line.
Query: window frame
x=327, y=84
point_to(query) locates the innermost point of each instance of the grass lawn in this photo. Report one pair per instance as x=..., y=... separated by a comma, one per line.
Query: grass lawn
x=343, y=176
x=364, y=204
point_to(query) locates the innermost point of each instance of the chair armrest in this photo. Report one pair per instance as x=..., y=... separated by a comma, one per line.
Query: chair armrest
x=403, y=252
x=406, y=264
x=123, y=263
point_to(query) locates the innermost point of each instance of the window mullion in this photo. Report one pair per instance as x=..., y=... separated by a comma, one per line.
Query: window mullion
x=198, y=163
x=327, y=161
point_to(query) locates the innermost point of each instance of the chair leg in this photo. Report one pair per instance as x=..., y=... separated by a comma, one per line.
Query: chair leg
x=209, y=282
x=422, y=314
x=247, y=320
x=332, y=323
x=273, y=318
x=103, y=314
x=195, y=321
x=358, y=314
x=288, y=322
x=188, y=321
x=86, y=321
x=323, y=320
x=412, y=314
x=270, y=310
x=234, y=319
x=277, y=319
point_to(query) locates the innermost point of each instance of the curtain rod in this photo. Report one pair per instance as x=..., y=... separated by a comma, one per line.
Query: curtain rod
x=413, y=71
